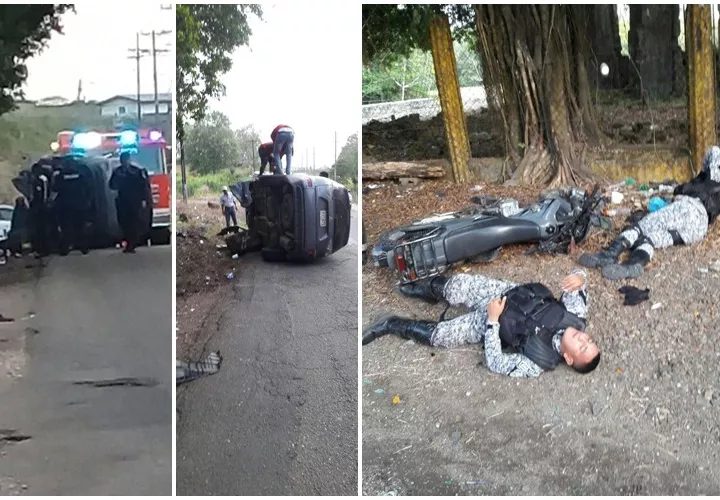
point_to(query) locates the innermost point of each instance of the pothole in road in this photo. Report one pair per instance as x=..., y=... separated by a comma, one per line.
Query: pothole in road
x=12, y=436
x=119, y=382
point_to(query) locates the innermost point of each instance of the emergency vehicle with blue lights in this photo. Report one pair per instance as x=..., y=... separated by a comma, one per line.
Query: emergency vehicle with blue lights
x=148, y=149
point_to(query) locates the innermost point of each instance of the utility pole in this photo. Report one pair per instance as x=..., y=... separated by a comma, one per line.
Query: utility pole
x=138, y=54
x=154, y=53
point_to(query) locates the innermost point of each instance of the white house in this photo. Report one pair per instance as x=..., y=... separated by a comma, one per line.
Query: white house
x=126, y=105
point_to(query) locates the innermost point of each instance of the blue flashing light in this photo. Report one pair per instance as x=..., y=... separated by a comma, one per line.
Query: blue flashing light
x=86, y=140
x=128, y=138
x=155, y=135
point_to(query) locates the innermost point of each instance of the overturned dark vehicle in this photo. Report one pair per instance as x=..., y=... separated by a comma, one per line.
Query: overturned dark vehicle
x=430, y=246
x=102, y=228
x=292, y=217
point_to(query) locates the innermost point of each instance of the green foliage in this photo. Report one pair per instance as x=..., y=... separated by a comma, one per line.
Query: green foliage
x=211, y=145
x=395, y=30
x=212, y=183
x=346, y=167
x=207, y=35
x=24, y=32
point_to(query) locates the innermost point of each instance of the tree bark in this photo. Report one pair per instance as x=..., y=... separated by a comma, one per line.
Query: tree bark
x=701, y=81
x=400, y=169
x=456, y=132
x=654, y=50
x=606, y=47
x=534, y=59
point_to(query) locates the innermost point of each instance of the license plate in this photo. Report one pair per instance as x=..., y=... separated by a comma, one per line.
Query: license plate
x=323, y=218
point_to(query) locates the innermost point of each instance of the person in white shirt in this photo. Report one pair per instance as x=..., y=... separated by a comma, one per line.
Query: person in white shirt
x=227, y=205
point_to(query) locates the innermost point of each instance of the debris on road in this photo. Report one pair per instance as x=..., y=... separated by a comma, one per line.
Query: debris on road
x=3, y=319
x=186, y=371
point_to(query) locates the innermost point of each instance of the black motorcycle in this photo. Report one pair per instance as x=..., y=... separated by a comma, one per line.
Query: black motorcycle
x=430, y=246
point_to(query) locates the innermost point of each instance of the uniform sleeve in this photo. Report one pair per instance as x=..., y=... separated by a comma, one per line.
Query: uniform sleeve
x=115, y=180
x=514, y=365
x=577, y=302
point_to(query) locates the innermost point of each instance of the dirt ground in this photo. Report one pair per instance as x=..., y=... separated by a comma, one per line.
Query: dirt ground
x=647, y=421
x=408, y=138
x=202, y=269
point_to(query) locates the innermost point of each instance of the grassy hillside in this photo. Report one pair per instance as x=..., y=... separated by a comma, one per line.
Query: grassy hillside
x=26, y=134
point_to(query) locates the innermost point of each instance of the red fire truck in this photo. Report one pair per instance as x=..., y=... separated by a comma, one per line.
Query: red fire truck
x=148, y=149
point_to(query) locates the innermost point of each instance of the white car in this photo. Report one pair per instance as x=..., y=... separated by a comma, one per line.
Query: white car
x=6, y=212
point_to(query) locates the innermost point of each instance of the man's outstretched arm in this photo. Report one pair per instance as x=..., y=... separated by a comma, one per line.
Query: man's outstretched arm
x=575, y=295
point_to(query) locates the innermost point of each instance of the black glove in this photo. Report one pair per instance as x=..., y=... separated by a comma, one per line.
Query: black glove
x=633, y=295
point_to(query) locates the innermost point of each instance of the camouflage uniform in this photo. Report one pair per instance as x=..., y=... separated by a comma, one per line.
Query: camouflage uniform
x=476, y=292
x=686, y=215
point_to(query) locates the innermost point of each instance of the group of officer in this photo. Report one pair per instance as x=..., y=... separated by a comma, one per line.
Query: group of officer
x=63, y=204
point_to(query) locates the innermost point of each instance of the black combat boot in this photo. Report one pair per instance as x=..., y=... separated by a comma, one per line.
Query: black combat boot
x=410, y=329
x=429, y=290
x=609, y=255
x=633, y=268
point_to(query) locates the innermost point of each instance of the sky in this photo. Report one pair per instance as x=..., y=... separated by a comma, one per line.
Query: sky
x=94, y=48
x=302, y=68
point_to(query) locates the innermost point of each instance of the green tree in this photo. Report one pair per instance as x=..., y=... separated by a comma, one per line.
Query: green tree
x=211, y=145
x=207, y=35
x=248, y=139
x=24, y=32
x=346, y=167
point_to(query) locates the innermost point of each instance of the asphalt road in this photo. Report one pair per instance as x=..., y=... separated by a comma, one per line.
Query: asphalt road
x=281, y=415
x=99, y=318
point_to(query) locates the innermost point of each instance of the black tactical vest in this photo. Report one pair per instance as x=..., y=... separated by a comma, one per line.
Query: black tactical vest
x=704, y=189
x=531, y=318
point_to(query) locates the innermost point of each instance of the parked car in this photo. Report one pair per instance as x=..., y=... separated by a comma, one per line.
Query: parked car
x=6, y=213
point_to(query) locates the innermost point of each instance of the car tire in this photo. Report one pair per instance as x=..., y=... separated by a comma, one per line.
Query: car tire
x=273, y=254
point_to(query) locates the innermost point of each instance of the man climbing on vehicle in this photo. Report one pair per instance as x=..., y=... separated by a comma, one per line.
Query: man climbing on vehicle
x=265, y=152
x=543, y=331
x=683, y=222
x=283, y=138
x=134, y=200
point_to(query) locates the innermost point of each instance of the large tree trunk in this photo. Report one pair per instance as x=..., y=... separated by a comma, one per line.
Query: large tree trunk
x=701, y=81
x=534, y=58
x=448, y=85
x=606, y=48
x=654, y=50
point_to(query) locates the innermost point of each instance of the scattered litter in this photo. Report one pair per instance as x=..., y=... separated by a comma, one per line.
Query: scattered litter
x=629, y=181
x=186, y=371
x=656, y=204
x=616, y=197
x=235, y=256
x=202, y=241
x=656, y=305
x=703, y=270
x=448, y=482
x=221, y=246
x=367, y=381
x=643, y=187
x=379, y=391
x=476, y=482
x=403, y=449
x=230, y=276
x=476, y=188
x=715, y=266
x=396, y=399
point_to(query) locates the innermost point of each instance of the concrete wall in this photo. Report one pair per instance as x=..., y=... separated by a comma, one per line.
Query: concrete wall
x=474, y=99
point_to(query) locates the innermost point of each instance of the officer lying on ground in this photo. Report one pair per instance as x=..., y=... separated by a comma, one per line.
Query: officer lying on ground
x=543, y=331
x=684, y=221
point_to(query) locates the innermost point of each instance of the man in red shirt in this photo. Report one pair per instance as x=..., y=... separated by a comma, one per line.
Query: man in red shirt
x=283, y=138
x=265, y=151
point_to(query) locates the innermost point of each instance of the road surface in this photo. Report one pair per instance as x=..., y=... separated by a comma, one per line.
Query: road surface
x=100, y=318
x=281, y=415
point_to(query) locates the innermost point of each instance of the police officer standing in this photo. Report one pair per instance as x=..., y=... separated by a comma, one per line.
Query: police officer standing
x=74, y=204
x=40, y=215
x=134, y=200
